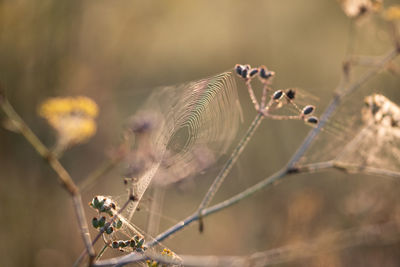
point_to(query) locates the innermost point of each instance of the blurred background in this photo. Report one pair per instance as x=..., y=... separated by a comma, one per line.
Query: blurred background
x=116, y=52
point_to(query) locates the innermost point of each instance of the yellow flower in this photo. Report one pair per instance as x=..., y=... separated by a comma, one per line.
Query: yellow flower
x=72, y=118
x=392, y=13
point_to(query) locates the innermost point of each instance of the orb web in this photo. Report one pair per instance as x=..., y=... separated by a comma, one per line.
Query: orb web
x=195, y=123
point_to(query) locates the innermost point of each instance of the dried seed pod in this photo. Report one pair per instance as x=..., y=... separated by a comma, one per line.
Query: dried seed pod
x=238, y=69
x=114, y=244
x=121, y=244
x=117, y=224
x=312, y=120
x=253, y=72
x=307, y=110
x=140, y=243
x=290, y=93
x=102, y=221
x=109, y=230
x=245, y=73
x=95, y=222
x=277, y=95
x=265, y=73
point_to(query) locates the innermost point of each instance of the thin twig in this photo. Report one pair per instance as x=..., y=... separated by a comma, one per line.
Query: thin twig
x=63, y=176
x=102, y=251
x=252, y=95
x=370, y=235
x=228, y=166
x=346, y=167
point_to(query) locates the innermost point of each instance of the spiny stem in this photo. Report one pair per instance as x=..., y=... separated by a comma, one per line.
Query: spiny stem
x=228, y=165
x=252, y=95
x=63, y=176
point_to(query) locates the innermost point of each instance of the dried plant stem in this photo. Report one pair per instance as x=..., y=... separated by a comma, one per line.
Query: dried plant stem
x=252, y=95
x=346, y=167
x=63, y=176
x=369, y=235
x=102, y=251
x=228, y=166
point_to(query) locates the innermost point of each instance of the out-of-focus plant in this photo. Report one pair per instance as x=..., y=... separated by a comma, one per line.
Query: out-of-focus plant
x=206, y=112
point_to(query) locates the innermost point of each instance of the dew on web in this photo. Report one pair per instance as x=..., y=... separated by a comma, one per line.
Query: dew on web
x=182, y=130
x=371, y=136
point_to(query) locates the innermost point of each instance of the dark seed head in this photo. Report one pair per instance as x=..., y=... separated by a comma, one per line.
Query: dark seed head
x=95, y=222
x=253, y=72
x=121, y=244
x=238, y=69
x=114, y=244
x=277, y=95
x=109, y=230
x=308, y=110
x=265, y=73
x=312, y=120
x=291, y=94
x=102, y=221
x=244, y=73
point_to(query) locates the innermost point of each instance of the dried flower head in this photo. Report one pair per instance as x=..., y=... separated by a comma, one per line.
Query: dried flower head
x=72, y=118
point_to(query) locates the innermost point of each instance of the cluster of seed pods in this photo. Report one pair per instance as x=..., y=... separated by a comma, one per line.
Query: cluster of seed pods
x=105, y=205
x=277, y=97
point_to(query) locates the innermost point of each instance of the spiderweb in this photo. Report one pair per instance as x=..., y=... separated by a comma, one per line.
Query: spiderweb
x=193, y=124
x=369, y=135
x=179, y=131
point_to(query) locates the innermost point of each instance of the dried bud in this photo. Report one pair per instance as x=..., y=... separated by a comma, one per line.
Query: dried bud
x=312, y=120
x=238, y=69
x=307, y=110
x=140, y=243
x=265, y=73
x=245, y=73
x=102, y=221
x=277, y=95
x=114, y=244
x=121, y=244
x=290, y=93
x=117, y=224
x=253, y=72
x=109, y=230
x=95, y=222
